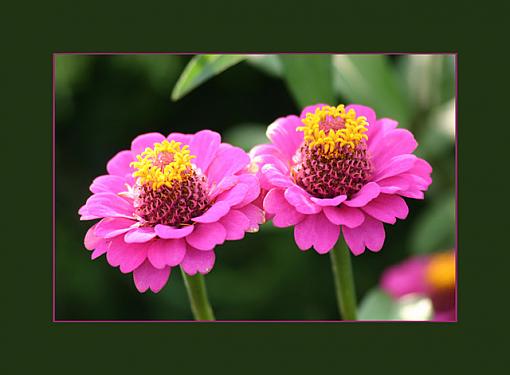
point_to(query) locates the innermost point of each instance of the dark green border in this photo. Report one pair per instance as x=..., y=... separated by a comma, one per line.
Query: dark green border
x=38, y=30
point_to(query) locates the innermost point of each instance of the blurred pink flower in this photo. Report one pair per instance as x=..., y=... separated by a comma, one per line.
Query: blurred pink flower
x=429, y=275
x=167, y=202
x=339, y=169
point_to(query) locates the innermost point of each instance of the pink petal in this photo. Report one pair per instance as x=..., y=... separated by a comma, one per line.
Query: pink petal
x=164, y=253
x=184, y=139
x=285, y=214
x=316, y=231
x=377, y=131
x=146, y=276
x=140, y=235
x=119, y=164
x=275, y=177
x=101, y=248
x=225, y=184
x=207, y=236
x=266, y=150
x=365, y=195
x=204, y=145
x=387, y=208
x=235, y=195
x=255, y=215
x=362, y=110
x=325, y=202
x=393, y=184
x=396, y=142
x=406, y=278
x=228, y=161
x=395, y=166
x=168, y=232
x=283, y=134
x=198, y=261
x=369, y=234
x=127, y=256
x=143, y=141
x=253, y=191
x=109, y=205
x=236, y=224
x=214, y=213
x=344, y=215
x=108, y=183
x=84, y=213
x=300, y=199
x=311, y=109
x=113, y=226
x=91, y=240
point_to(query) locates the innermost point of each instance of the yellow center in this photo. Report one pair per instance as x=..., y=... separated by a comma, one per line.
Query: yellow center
x=440, y=272
x=163, y=164
x=332, y=126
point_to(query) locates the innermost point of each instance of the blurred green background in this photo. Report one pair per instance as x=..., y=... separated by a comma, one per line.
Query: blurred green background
x=104, y=101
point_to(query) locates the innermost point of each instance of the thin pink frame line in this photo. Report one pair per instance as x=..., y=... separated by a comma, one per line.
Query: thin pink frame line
x=454, y=53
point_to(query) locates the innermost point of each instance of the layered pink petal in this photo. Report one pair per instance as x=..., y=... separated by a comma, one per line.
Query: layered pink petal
x=344, y=215
x=317, y=231
x=148, y=277
x=236, y=224
x=113, y=226
x=162, y=253
x=285, y=215
x=275, y=177
x=253, y=191
x=140, y=235
x=225, y=184
x=255, y=215
x=325, y=202
x=143, y=141
x=101, y=248
x=109, y=205
x=362, y=110
x=168, y=232
x=214, y=213
x=228, y=161
x=387, y=208
x=284, y=135
x=396, y=142
x=397, y=165
x=207, y=236
x=300, y=199
x=84, y=213
x=198, y=261
x=365, y=195
x=235, y=195
x=204, y=145
x=119, y=164
x=370, y=234
x=108, y=183
x=91, y=240
x=310, y=109
x=184, y=139
x=127, y=256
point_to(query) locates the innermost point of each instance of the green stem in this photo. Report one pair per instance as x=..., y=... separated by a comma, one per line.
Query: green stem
x=197, y=293
x=344, y=281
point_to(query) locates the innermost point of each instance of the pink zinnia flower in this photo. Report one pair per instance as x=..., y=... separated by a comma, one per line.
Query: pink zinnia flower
x=432, y=276
x=169, y=201
x=339, y=169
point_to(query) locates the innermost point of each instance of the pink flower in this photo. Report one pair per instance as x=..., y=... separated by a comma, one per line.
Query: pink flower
x=339, y=169
x=432, y=276
x=168, y=202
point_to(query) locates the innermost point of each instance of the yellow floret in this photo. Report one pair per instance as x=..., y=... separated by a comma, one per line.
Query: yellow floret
x=440, y=272
x=157, y=175
x=351, y=134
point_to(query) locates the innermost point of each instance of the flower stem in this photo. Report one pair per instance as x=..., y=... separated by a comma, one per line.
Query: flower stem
x=344, y=281
x=197, y=293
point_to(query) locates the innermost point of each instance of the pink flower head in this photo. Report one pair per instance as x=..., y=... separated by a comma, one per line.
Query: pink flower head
x=339, y=169
x=432, y=276
x=169, y=201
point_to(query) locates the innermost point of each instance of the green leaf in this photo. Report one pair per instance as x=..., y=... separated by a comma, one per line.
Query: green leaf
x=434, y=230
x=200, y=69
x=309, y=78
x=269, y=64
x=377, y=305
x=371, y=80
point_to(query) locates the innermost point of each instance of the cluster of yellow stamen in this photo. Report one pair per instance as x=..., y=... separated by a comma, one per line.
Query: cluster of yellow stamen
x=440, y=272
x=351, y=131
x=163, y=164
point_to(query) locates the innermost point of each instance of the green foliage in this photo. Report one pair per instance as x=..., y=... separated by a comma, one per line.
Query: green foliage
x=309, y=78
x=371, y=80
x=202, y=68
x=377, y=305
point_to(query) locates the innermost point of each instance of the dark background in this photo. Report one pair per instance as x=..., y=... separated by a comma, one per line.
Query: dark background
x=103, y=102
x=477, y=343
